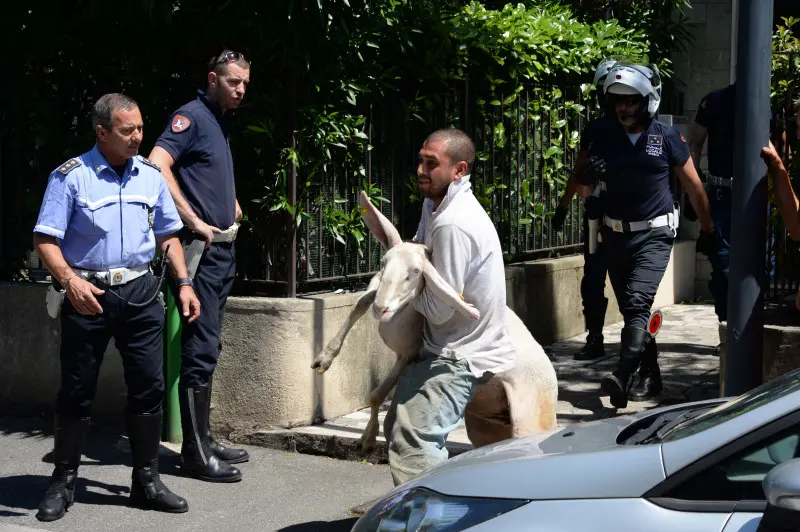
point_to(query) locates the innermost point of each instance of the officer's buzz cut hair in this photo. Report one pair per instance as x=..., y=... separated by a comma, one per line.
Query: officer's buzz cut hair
x=459, y=145
x=218, y=63
x=108, y=103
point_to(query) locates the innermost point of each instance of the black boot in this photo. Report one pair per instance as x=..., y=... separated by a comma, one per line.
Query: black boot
x=593, y=349
x=649, y=385
x=229, y=454
x=618, y=383
x=147, y=489
x=69, y=436
x=199, y=460
x=594, y=318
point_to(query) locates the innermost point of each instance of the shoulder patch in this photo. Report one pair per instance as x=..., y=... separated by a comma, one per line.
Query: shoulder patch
x=682, y=137
x=180, y=123
x=149, y=163
x=68, y=166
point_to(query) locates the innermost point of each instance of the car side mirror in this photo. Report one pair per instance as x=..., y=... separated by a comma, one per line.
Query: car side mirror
x=782, y=488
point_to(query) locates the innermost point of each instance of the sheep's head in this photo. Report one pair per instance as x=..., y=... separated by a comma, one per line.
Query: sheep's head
x=405, y=269
x=401, y=278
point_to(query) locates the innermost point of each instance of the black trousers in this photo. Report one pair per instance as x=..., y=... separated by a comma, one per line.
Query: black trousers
x=138, y=335
x=636, y=264
x=201, y=341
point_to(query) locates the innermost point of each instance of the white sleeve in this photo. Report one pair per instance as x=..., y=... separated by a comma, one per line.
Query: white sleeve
x=450, y=255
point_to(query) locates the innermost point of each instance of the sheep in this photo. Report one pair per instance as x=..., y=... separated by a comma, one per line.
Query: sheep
x=517, y=402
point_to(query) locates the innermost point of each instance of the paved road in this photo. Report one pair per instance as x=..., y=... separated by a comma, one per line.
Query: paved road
x=280, y=491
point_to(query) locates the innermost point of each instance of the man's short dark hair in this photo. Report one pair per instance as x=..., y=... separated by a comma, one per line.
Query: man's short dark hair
x=218, y=63
x=459, y=145
x=105, y=106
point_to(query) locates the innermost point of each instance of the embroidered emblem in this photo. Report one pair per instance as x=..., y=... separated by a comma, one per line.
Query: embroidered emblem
x=682, y=137
x=180, y=124
x=68, y=166
x=151, y=218
x=654, y=143
x=149, y=163
x=118, y=277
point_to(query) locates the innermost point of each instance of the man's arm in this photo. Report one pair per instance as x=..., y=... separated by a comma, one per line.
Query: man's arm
x=788, y=204
x=79, y=291
x=696, y=192
x=697, y=138
x=450, y=256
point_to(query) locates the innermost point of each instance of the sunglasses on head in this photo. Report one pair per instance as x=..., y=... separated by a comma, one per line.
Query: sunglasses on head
x=229, y=56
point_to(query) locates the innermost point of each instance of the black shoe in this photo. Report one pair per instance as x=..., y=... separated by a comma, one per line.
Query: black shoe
x=649, y=385
x=228, y=454
x=147, y=489
x=593, y=349
x=617, y=385
x=198, y=458
x=60, y=495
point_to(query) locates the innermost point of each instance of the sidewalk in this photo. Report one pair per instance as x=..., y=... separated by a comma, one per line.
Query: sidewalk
x=690, y=371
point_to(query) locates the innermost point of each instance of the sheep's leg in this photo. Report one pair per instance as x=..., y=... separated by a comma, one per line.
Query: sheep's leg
x=325, y=358
x=376, y=398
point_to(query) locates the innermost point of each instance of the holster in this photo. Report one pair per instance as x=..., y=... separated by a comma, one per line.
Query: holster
x=54, y=301
x=192, y=252
x=593, y=230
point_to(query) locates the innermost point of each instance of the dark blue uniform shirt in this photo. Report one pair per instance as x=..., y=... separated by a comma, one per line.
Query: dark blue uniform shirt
x=637, y=177
x=716, y=114
x=197, y=139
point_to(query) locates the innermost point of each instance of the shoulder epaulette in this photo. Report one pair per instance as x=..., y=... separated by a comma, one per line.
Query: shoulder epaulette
x=149, y=163
x=68, y=166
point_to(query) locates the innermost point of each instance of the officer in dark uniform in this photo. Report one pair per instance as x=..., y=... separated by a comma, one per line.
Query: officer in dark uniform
x=103, y=214
x=715, y=120
x=195, y=154
x=630, y=162
x=593, y=283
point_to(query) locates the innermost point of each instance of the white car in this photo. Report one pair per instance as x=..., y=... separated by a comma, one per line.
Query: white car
x=690, y=467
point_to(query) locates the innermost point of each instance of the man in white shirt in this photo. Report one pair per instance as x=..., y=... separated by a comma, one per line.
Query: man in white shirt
x=457, y=353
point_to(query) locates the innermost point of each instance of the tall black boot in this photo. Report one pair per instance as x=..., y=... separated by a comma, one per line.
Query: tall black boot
x=618, y=383
x=199, y=460
x=594, y=318
x=147, y=489
x=229, y=454
x=69, y=436
x=649, y=385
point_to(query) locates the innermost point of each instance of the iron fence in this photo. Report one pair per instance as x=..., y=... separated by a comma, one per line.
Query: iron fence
x=525, y=145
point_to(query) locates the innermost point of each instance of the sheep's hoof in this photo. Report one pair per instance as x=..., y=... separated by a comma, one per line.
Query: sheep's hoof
x=322, y=362
x=367, y=443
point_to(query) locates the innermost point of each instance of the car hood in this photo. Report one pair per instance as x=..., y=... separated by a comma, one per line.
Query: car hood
x=580, y=461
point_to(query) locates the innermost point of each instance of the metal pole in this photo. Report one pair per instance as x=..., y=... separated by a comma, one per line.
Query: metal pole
x=743, y=364
x=291, y=267
x=173, y=432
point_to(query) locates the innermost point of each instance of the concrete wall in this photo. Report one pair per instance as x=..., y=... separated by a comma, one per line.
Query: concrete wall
x=264, y=378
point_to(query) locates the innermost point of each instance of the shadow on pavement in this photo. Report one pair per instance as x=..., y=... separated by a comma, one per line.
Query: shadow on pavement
x=343, y=525
x=25, y=492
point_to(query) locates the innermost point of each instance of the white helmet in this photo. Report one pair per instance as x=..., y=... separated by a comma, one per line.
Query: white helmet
x=602, y=71
x=636, y=79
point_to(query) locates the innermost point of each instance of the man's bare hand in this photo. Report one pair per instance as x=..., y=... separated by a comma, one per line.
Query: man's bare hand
x=204, y=230
x=771, y=157
x=190, y=305
x=239, y=213
x=81, y=294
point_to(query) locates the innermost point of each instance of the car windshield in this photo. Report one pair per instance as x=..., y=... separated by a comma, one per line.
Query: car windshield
x=767, y=392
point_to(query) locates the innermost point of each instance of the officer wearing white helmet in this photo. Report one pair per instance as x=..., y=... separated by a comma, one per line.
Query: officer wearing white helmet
x=630, y=162
x=593, y=282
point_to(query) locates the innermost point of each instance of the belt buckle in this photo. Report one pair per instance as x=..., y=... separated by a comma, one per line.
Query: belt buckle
x=617, y=226
x=116, y=276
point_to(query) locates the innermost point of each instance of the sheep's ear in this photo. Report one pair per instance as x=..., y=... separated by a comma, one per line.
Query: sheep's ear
x=446, y=293
x=380, y=227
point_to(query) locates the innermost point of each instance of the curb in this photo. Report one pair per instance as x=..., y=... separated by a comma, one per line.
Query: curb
x=330, y=445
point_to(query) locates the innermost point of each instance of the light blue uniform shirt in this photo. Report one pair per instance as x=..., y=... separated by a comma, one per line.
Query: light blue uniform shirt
x=103, y=221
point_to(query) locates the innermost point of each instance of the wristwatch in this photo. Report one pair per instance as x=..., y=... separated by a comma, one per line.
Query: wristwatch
x=184, y=281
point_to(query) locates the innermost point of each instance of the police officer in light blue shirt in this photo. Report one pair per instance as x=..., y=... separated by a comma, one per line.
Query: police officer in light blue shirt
x=102, y=216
